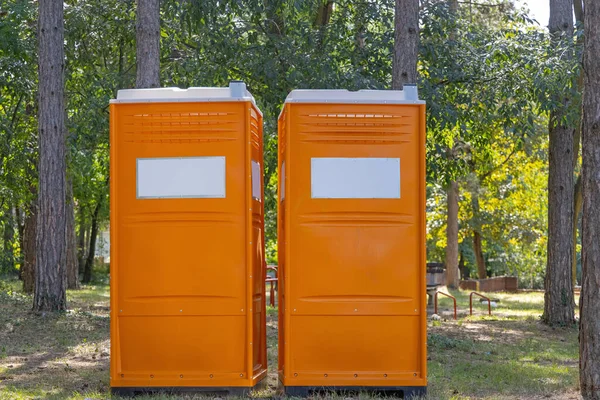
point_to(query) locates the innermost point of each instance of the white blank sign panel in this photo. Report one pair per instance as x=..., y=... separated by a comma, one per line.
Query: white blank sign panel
x=191, y=177
x=355, y=178
x=282, y=180
x=256, y=177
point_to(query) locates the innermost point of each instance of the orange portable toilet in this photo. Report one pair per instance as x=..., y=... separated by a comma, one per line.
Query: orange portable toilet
x=351, y=224
x=187, y=240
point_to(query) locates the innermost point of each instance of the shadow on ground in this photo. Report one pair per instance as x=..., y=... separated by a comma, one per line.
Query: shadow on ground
x=510, y=355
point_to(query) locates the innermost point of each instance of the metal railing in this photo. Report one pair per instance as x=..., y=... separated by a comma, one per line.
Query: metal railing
x=273, y=281
x=435, y=297
x=483, y=297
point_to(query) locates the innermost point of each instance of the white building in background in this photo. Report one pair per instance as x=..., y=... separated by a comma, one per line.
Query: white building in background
x=103, y=244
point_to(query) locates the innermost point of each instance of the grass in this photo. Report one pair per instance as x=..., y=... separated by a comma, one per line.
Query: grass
x=509, y=355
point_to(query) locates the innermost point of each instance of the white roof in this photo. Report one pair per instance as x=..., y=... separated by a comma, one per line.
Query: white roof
x=407, y=96
x=235, y=92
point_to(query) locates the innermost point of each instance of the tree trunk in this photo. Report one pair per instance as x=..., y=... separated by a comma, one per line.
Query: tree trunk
x=481, y=269
x=21, y=231
x=322, y=20
x=148, y=43
x=477, y=247
x=558, y=298
x=578, y=201
x=589, y=328
x=452, y=276
x=359, y=59
x=81, y=249
x=29, y=244
x=578, y=9
x=323, y=13
x=72, y=265
x=51, y=255
x=89, y=263
x=452, y=271
x=406, y=43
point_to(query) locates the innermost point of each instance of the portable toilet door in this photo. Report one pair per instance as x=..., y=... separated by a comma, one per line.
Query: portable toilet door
x=187, y=240
x=352, y=241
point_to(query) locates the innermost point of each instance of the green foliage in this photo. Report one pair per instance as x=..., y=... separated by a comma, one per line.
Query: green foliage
x=488, y=73
x=18, y=80
x=18, y=128
x=100, y=52
x=488, y=94
x=489, y=82
x=512, y=216
x=275, y=47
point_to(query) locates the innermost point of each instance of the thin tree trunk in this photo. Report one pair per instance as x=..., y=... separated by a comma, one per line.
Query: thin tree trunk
x=322, y=20
x=88, y=234
x=452, y=271
x=323, y=13
x=578, y=202
x=360, y=29
x=589, y=328
x=578, y=9
x=452, y=275
x=51, y=255
x=558, y=299
x=89, y=263
x=477, y=246
x=148, y=43
x=72, y=265
x=406, y=43
x=29, y=245
x=21, y=231
x=81, y=249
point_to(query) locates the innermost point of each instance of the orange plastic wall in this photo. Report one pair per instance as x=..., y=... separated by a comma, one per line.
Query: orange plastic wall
x=352, y=271
x=187, y=274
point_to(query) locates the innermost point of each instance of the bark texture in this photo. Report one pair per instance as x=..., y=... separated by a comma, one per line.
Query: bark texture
x=148, y=43
x=577, y=205
x=452, y=276
x=72, y=265
x=558, y=299
x=589, y=328
x=406, y=43
x=51, y=255
x=477, y=246
x=577, y=200
x=29, y=244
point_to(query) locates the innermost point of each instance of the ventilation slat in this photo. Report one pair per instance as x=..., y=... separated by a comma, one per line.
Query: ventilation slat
x=180, y=127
